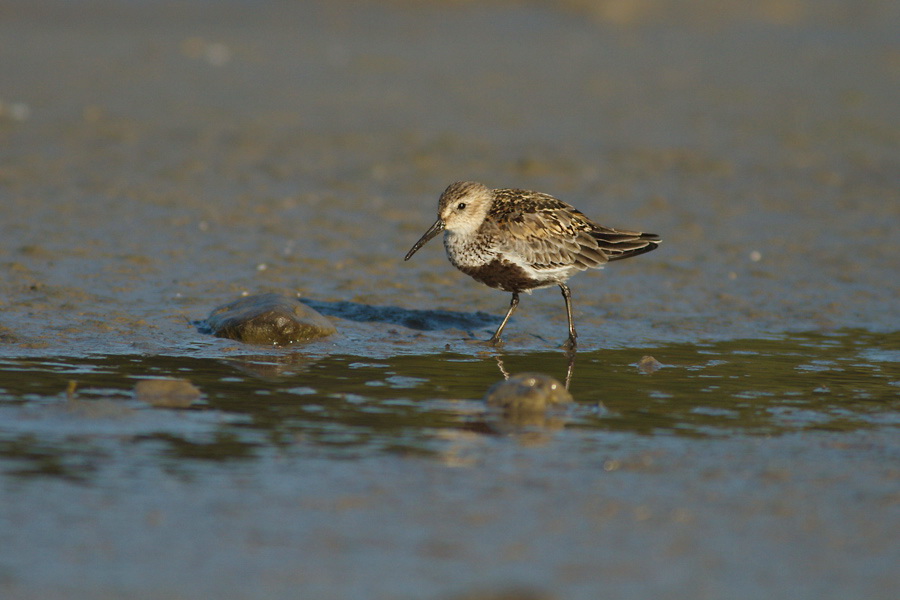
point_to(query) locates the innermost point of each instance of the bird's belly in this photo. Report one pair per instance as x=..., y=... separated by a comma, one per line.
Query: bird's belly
x=504, y=275
x=484, y=264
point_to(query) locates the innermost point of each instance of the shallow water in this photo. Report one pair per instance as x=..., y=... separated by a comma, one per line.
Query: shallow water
x=355, y=405
x=845, y=381
x=160, y=159
x=393, y=466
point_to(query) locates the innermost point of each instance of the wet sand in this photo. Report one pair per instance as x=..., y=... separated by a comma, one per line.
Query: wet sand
x=175, y=157
x=158, y=160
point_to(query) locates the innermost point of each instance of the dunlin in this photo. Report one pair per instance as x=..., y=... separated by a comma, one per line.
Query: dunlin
x=518, y=241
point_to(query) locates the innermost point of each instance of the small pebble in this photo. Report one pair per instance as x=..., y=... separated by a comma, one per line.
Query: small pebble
x=166, y=393
x=648, y=364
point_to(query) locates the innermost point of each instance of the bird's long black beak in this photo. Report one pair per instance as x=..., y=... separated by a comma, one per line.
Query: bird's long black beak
x=432, y=231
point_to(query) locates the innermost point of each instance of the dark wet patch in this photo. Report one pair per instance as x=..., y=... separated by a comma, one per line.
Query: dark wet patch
x=7, y=336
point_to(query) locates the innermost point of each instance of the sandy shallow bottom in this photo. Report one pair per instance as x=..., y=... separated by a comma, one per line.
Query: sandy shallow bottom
x=158, y=160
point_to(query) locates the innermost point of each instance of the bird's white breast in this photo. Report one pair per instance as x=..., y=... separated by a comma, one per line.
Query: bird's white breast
x=468, y=250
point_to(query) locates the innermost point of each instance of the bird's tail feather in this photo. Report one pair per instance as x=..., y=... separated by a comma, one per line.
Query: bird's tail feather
x=617, y=244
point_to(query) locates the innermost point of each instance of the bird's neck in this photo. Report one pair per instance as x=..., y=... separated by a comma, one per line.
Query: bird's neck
x=468, y=250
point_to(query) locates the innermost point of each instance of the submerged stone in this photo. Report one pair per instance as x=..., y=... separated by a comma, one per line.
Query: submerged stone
x=166, y=393
x=274, y=319
x=648, y=364
x=527, y=392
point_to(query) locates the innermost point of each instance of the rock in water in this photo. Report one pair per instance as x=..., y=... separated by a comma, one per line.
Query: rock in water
x=272, y=318
x=527, y=392
x=648, y=364
x=166, y=393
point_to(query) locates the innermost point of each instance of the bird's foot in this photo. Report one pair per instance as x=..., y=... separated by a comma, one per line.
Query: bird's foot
x=495, y=341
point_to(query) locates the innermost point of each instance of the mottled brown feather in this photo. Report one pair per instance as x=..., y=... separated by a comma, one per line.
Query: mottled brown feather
x=549, y=233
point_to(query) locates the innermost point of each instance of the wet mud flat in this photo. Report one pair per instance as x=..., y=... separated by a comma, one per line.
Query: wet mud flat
x=160, y=160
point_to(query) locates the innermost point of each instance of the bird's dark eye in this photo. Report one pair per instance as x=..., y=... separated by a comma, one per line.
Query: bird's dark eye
x=461, y=206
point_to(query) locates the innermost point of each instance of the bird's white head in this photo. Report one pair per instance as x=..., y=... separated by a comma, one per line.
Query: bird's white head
x=461, y=210
x=464, y=205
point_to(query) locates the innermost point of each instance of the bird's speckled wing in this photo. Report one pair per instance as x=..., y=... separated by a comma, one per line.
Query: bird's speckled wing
x=549, y=234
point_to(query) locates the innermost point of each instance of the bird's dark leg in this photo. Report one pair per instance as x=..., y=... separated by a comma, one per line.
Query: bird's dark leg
x=570, y=344
x=512, y=308
x=570, y=370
